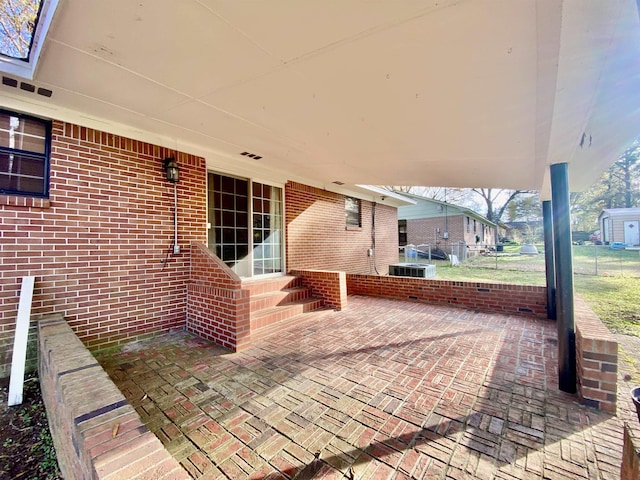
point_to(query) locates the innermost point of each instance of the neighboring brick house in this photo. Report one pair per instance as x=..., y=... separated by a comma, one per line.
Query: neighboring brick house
x=90, y=215
x=442, y=224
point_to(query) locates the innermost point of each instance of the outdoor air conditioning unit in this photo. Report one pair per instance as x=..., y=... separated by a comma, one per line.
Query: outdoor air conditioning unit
x=412, y=270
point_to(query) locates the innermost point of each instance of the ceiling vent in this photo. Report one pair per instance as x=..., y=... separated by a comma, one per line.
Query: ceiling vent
x=27, y=87
x=337, y=182
x=251, y=155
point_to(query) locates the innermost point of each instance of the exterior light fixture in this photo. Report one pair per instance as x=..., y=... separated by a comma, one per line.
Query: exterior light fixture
x=171, y=169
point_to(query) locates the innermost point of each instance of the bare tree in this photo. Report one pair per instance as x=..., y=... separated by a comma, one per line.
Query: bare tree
x=399, y=188
x=442, y=194
x=497, y=200
x=17, y=22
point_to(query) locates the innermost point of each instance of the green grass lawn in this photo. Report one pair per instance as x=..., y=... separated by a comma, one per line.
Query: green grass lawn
x=614, y=294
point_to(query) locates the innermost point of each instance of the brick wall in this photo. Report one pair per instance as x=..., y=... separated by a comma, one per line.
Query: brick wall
x=492, y=297
x=596, y=359
x=630, y=468
x=97, y=245
x=218, y=307
x=330, y=286
x=424, y=231
x=317, y=237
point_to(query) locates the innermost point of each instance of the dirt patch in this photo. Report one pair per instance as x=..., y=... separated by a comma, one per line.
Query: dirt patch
x=26, y=448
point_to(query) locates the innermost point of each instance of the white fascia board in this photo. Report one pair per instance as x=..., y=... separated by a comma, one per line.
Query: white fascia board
x=385, y=196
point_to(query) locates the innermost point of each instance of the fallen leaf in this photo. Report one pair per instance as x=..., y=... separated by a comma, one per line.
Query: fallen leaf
x=114, y=430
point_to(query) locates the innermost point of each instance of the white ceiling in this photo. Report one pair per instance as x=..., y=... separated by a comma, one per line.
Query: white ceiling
x=476, y=93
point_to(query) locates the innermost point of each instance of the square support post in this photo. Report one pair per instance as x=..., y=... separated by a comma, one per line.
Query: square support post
x=549, y=267
x=567, y=379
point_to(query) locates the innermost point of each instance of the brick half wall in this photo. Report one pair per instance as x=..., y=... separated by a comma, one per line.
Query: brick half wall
x=328, y=285
x=96, y=433
x=218, y=307
x=596, y=359
x=490, y=297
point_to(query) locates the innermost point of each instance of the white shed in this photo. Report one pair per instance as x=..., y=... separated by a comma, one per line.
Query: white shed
x=620, y=225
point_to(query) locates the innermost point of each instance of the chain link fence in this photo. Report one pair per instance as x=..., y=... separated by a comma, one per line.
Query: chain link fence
x=587, y=259
x=599, y=260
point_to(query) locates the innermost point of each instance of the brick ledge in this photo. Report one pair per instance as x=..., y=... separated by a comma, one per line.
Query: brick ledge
x=596, y=359
x=96, y=433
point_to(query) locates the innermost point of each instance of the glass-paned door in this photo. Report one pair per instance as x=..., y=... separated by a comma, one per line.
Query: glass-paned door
x=248, y=249
x=228, y=209
x=267, y=229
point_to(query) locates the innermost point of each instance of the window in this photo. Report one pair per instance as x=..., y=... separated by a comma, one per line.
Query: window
x=23, y=27
x=352, y=211
x=402, y=232
x=19, y=20
x=24, y=155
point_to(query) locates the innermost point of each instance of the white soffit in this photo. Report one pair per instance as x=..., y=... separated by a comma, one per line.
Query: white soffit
x=483, y=93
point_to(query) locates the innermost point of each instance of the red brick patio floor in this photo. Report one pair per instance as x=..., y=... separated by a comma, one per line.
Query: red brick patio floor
x=383, y=389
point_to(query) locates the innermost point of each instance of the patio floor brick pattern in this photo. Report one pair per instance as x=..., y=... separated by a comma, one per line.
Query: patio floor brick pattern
x=383, y=389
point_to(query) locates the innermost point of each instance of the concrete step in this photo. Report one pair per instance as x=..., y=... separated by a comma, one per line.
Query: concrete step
x=279, y=297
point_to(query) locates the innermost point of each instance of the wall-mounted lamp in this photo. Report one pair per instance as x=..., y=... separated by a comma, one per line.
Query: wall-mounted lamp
x=171, y=169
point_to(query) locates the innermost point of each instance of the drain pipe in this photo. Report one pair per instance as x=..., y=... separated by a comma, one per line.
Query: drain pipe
x=373, y=238
x=176, y=247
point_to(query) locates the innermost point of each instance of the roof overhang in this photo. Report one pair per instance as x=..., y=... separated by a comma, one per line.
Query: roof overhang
x=381, y=195
x=458, y=93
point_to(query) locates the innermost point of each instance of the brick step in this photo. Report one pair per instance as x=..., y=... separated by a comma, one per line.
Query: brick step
x=283, y=325
x=262, y=286
x=279, y=297
x=273, y=315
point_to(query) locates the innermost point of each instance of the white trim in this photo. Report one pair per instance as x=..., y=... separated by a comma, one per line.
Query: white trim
x=18, y=359
x=384, y=193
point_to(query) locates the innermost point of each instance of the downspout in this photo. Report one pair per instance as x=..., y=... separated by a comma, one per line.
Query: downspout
x=373, y=238
x=176, y=247
x=549, y=266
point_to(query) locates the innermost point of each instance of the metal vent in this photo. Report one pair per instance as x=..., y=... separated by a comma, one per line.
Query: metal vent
x=251, y=155
x=338, y=182
x=27, y=87
x=9, y=82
